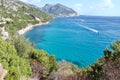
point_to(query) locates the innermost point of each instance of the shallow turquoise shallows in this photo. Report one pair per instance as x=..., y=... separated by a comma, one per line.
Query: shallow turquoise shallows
x=80, y=40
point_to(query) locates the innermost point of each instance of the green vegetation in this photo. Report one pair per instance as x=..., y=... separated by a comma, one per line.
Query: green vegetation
x=22, y=46
x=21, y=16
x=49, y=62
x=16, y=55
x=26, y=50
x=17, y=67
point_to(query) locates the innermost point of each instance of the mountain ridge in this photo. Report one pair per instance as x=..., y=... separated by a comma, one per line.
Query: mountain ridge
x=59, y=10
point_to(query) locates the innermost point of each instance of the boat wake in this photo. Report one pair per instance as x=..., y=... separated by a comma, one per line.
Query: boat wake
x=88, y=28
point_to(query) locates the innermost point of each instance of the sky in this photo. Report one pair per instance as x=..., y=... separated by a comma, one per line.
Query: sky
x=85, y=7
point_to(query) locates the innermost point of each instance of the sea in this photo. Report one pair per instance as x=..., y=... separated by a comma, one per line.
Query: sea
x=80, y=40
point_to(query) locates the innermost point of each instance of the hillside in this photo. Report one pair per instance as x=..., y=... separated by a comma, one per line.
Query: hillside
x=15, y=15
x=59, y=10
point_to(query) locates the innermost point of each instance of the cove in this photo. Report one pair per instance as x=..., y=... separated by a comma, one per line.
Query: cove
x=80, y=40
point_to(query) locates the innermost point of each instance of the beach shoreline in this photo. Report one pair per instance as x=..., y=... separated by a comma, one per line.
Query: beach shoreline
x=30, y=27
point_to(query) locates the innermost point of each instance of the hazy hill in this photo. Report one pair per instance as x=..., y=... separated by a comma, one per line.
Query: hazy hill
x=59, y=10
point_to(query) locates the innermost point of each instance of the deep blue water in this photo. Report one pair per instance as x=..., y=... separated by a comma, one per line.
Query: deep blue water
x=80, y=40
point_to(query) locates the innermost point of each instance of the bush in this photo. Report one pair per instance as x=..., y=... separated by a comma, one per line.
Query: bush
x=16, y=66
x=22, y=46
x=49, y=62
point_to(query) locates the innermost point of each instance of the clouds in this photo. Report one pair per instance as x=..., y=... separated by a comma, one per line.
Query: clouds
x=103, y=7
x=31, y=1
x=108, y=3
x=78, y=7
x=104, y=4
x=24, y=0
x=98, y=7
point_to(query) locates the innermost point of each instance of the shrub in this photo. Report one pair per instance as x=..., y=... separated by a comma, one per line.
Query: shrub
x=16, y=66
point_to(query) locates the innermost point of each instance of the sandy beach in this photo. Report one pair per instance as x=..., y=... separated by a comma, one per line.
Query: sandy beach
x=29, y=27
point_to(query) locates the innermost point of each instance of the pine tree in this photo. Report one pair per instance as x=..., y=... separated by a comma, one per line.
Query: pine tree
x=107, y=54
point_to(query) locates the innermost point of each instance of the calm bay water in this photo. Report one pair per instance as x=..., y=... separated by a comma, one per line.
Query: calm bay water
x=80, y=40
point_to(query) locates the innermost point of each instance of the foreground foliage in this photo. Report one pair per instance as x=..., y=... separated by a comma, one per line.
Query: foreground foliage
x=26, y=50
x=18, y=56
x=17, y=67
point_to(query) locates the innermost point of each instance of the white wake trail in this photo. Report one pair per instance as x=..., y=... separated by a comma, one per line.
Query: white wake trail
x=88, y=28
x=91, y=29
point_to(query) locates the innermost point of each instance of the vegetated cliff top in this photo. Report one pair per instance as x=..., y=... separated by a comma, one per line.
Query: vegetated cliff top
x=59, y=10
x=16, y=14
x=10, y=6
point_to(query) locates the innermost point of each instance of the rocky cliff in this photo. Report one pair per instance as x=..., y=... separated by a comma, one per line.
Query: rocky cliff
x=59, y=10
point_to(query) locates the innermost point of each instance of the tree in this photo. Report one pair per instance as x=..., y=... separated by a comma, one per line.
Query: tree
x=22, y=46
x=16, y=66
x=107, y=54
x=116, y=47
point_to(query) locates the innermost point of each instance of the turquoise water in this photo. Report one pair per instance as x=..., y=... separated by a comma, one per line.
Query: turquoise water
x=80, y=40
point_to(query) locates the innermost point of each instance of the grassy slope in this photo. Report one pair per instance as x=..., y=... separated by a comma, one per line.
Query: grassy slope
x=17, y=67
x=17, y=55
x=19, y=17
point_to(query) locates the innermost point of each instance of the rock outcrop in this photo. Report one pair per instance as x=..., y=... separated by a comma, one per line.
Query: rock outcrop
x=4, y=34
x=3, y=72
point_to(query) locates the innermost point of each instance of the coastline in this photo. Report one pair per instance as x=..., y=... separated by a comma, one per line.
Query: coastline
x=30, y=27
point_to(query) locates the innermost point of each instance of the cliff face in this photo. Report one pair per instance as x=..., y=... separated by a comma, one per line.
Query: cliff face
x=59, y=10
